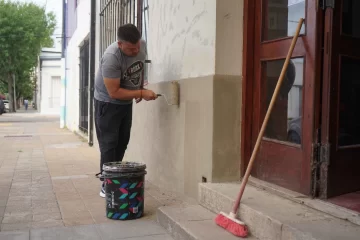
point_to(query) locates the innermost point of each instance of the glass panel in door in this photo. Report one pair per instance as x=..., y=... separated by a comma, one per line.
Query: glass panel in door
x=351, y=18
x=349, y=111
x=281, y=18
x=285, y=121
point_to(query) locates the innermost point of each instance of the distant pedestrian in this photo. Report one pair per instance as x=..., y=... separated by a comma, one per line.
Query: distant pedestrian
x=26, y=103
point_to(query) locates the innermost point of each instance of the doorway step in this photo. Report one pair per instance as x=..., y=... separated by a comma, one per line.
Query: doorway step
x=350, y=201
x=270, y=212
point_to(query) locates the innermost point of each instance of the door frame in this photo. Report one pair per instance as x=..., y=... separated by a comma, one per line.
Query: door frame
x=331, y=180
x=248, y=89
x=247, y=83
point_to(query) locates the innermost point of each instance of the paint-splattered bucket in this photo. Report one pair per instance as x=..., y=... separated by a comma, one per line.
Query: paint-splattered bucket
x=124, y=190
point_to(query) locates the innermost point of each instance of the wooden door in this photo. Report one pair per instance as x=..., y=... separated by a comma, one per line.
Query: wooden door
x=286, y=150
x=340, y=129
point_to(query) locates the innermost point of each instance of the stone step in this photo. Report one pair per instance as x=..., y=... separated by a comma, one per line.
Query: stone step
x=318, y=204
x=192, y=222
x=272, y=217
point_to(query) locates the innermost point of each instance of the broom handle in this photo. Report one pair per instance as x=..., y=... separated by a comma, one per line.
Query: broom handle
x=267, y=116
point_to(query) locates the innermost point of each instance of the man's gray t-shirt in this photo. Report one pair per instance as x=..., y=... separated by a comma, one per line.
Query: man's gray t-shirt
x=115, y=64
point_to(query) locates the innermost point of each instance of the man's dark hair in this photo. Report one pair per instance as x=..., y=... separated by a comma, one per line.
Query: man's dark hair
x=129, y=33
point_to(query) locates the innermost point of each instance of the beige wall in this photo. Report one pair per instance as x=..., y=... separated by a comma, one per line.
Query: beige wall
x=175, y=142
x=229, y=37
x=199, y=44
x=226, y=128
x=227, y=91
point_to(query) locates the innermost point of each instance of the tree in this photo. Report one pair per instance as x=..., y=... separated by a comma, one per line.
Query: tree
x=24, y=85
x=25, y=88
x=24, y=29
x=3, y=87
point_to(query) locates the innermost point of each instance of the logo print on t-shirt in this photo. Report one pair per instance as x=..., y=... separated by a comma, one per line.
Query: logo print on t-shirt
x=134, y=72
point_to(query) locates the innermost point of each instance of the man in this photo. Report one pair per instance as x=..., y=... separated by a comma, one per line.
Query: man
x=119, y=81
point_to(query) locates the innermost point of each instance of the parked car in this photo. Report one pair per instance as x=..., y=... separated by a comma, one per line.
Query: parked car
x=7, y=105
x=2, y=107
x=295, y=132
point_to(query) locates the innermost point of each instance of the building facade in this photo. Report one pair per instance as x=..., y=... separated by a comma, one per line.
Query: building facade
x=227, y=56
x=48, y=75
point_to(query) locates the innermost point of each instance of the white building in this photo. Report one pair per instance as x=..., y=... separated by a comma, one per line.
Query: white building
x=183, y=46
x=48, y=85
x=227, y=56
x=77, y=49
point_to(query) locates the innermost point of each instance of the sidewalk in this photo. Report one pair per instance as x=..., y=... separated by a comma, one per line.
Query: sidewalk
x=48, y=188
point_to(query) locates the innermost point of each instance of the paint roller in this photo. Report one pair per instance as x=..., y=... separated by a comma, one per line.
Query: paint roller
x=173, y=95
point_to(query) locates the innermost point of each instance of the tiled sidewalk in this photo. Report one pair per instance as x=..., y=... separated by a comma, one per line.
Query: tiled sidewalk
x=139, y=230
x=47, y=180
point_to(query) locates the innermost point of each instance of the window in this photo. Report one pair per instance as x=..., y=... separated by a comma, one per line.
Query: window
x=114, y=13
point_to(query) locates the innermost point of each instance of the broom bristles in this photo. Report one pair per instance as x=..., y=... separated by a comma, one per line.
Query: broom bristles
x=232, y=225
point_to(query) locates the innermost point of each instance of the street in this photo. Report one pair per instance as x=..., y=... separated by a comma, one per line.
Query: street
x=48, y=188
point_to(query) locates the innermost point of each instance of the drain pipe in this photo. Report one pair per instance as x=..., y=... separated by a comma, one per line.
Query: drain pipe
x=92, y=71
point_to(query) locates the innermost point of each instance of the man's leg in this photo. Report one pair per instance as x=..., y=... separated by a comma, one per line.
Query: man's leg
x=97, y=105
x=124, y=132
x=109, y=121
x=113, y=125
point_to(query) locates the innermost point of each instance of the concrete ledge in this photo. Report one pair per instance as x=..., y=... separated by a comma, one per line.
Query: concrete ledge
x=192, y=223
x=273, y=218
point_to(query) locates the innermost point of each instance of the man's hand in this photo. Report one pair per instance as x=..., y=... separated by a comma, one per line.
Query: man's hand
x=148, y=95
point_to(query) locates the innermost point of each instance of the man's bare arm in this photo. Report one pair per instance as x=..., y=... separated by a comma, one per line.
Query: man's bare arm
x=116, y=92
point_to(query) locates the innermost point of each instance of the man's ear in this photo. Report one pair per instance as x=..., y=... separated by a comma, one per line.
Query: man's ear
x=119, y=44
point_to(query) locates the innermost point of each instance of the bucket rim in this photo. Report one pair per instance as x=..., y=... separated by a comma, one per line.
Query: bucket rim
x=124, y=166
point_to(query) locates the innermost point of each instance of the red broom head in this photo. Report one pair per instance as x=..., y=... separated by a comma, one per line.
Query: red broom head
x=233, y=226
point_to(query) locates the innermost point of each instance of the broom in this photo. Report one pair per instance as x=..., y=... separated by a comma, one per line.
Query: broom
x=229, y=222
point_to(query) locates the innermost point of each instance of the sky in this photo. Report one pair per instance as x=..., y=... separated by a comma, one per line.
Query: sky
x=56, y=7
